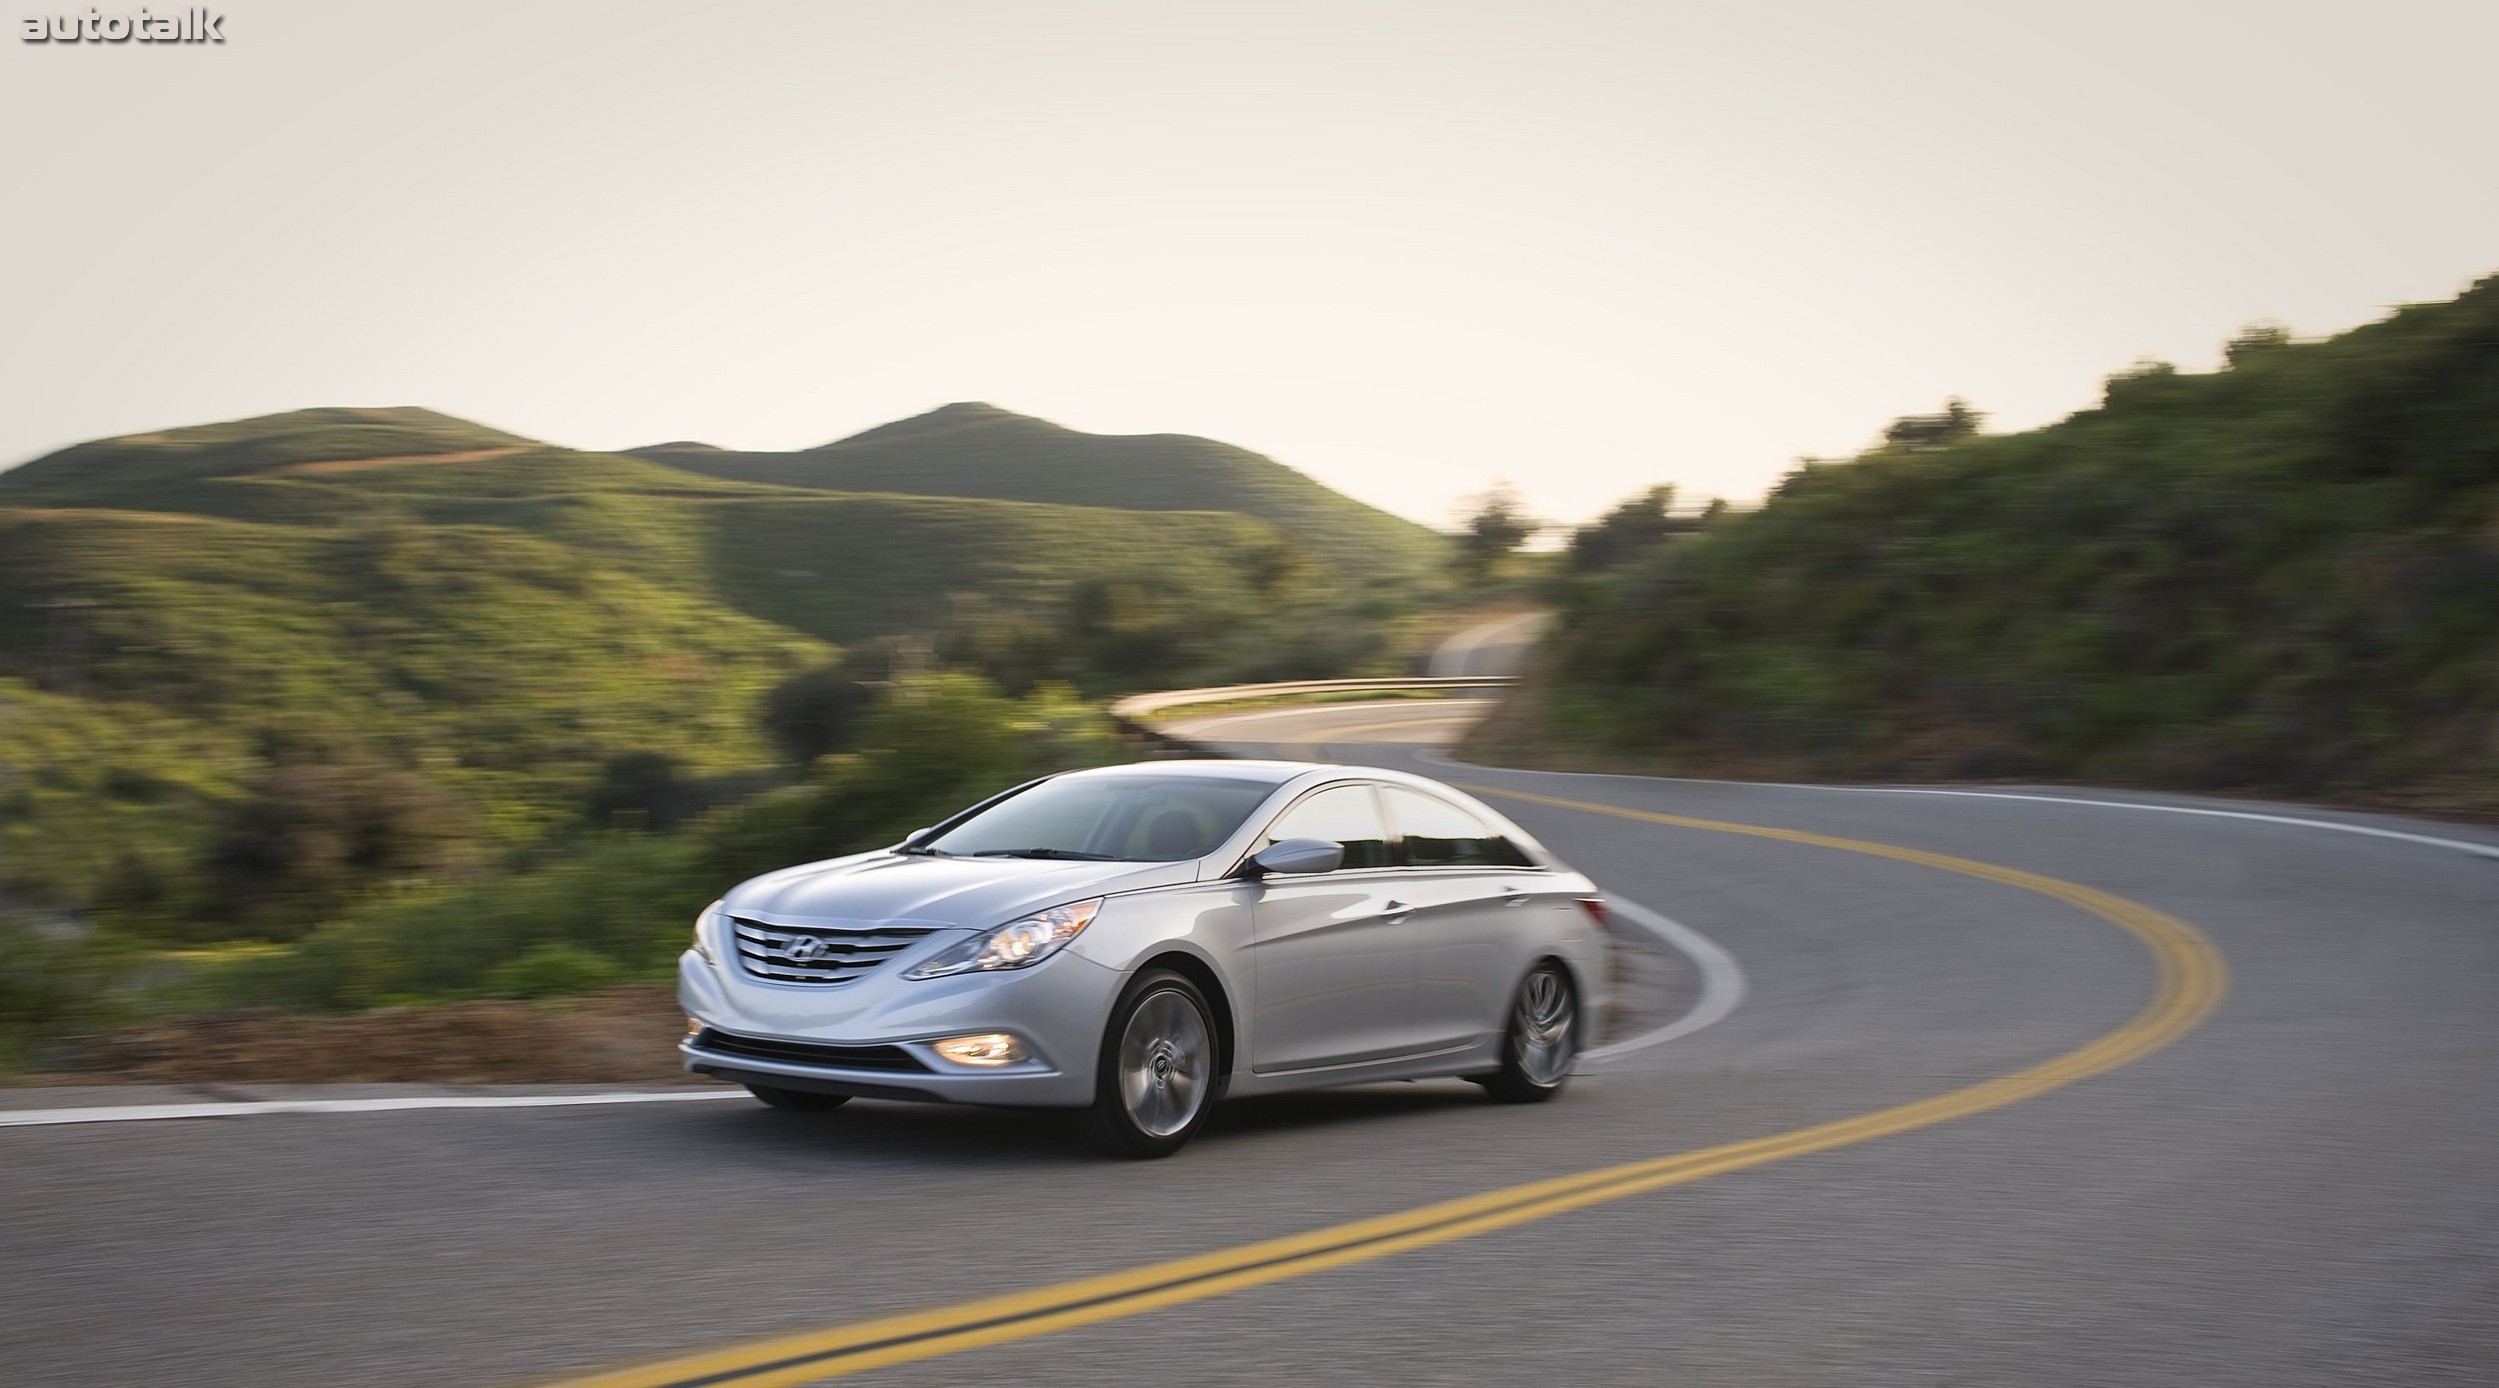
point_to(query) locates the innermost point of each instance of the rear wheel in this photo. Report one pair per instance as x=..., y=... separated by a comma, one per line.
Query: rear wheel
x=797, y=1100
x=1156, y=1077
x=1543, y=1039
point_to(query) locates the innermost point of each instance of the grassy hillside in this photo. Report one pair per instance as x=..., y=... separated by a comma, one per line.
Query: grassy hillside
x=502, y=647
x=852, y=566
x=2282, y=577
x=983, y=451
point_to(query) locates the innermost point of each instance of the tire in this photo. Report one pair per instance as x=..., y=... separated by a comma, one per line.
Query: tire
x=1155, y=1080
x=797, y=1100
x=1542, y=1040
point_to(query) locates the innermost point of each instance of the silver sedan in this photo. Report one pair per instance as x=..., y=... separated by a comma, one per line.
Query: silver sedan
x=1140, y=941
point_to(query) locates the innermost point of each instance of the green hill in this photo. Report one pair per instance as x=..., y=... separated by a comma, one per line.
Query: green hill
x=977, y=450
x=2281, y=578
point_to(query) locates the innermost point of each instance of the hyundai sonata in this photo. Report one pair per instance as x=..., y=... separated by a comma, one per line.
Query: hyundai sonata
x=1141, y=941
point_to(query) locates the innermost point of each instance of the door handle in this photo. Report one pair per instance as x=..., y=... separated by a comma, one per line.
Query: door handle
x=1516, y=897
x=1395, y=911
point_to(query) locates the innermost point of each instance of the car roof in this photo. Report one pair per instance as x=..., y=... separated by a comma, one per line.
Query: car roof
x=1274, y=773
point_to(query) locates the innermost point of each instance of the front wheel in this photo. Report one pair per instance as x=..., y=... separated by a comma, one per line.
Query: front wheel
x=797, y=1100
x=1156, y=1077
x=1543, y=1039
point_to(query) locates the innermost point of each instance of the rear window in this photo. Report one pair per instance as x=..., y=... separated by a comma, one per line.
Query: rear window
x=1439, y=834
x=1158, y=819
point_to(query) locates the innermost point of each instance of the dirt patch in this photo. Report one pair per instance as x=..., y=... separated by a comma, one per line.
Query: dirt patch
x=474, y=455
x=90, y=512
x=625, y=1033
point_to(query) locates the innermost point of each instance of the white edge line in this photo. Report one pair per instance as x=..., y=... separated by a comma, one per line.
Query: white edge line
x=137, y=1113
x=2479, y=850
x=1722, y=981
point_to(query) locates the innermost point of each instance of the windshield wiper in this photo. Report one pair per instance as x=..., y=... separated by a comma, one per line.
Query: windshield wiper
x=1056, y=854
x=923, y=850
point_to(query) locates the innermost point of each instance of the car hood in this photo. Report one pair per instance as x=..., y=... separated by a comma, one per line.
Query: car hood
x=915, y=889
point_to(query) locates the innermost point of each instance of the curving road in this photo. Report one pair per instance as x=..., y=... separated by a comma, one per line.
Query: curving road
x=2022, y=1087
x=1497, y=647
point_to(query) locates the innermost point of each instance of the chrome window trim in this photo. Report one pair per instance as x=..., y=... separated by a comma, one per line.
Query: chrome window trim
x=1379, y=804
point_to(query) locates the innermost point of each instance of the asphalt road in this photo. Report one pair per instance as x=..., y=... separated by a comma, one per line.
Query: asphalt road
x=2296, y=1190
x=1497, y=647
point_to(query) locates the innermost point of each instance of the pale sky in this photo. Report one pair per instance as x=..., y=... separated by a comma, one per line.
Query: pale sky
x=1406, y=248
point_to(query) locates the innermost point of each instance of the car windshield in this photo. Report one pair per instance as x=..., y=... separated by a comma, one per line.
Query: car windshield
x=1154, y=819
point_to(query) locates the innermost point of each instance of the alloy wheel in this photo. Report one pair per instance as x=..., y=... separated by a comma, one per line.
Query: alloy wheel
x=1543, y=1028
x=1166, y=1059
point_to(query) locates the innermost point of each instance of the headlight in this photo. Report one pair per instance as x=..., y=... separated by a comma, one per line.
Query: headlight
x=1014, y=945
x=702, y=924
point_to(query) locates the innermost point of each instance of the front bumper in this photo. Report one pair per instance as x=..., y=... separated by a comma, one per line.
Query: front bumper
x=871, y=1038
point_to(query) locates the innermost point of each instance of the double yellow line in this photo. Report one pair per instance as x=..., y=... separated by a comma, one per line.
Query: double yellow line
x=2190, y=981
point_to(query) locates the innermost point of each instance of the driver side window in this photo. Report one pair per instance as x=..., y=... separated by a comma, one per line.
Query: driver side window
x=1346, y=815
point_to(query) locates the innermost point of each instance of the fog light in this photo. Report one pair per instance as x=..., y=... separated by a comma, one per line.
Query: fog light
x=992, y=1048
x=693, y=1028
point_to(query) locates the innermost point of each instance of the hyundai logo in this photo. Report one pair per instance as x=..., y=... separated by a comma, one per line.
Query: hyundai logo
x=806, y=949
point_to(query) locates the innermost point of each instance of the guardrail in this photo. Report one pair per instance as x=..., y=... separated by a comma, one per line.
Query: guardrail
x=1130, y=713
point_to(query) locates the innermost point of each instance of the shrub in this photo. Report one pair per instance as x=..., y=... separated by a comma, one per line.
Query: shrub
x=551, y=971
x=50, y=987
x=816, y=712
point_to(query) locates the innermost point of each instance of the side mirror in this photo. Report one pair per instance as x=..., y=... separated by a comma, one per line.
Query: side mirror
x=912, y=839
x=1298, y=856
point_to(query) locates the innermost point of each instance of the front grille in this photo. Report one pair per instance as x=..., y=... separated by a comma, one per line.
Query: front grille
x=809, y=1052
x=819, y=954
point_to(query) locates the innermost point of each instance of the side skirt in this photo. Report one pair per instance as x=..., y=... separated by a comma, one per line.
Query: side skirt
x=1478, y=1057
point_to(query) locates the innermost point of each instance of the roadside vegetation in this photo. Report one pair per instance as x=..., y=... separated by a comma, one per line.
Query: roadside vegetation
x=599, y=905
x=2278, y=578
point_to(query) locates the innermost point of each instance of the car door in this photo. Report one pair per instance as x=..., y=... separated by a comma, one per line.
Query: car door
x=1474, y=892
x=1333, y=951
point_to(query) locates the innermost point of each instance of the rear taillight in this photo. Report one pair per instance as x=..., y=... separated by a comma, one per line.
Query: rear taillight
x=1595, y=907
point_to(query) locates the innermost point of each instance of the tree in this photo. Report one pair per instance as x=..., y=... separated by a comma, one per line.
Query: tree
x=313, y=834
x=1499, y=525
x=1917, y=432
x=816, y=712
x=1635, y=526
x=2145, y=380
x=644, y=789
x=2254, y=341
